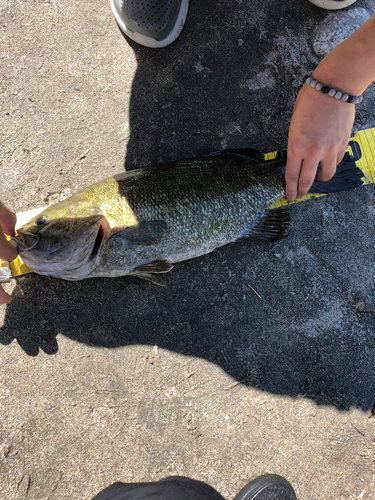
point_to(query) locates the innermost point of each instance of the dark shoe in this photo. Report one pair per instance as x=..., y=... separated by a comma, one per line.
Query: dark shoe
x=333, y=4
x=267, y=487
x=152, y=23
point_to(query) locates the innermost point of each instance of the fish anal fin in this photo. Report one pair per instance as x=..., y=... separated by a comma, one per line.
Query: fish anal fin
x=272, y=226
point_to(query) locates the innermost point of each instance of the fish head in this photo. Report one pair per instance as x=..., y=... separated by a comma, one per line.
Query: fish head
x=64, y=240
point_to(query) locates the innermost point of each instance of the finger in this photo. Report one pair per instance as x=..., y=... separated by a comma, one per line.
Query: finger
x=292, y=173
x=307, y=176
x=340, y=156
x=5, y=298
x=7, y=250
x=328, y=170
x=8, y=219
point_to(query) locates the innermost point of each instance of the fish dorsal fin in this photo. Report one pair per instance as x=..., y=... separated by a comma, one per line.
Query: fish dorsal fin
x=272, y=226
x=249, y=155
x=245, y=153
x=252, y=153
x=144, y=233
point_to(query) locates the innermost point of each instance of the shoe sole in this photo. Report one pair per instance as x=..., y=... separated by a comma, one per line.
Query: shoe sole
x=332, y=4
x=145, y=40
x=259, y=484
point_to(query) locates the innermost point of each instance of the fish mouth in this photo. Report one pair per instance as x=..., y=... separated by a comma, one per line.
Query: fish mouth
x=98, y=242
x=24, y=241
x=84, y=252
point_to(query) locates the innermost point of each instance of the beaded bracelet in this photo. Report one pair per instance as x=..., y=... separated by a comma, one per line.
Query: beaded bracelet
x=352, y=99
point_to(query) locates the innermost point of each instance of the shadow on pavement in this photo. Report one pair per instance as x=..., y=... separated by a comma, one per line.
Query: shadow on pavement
x=311, y=342
x=230, y=80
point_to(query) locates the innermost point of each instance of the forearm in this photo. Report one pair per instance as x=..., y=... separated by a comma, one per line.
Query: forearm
x=7, y=251
x=350, y=67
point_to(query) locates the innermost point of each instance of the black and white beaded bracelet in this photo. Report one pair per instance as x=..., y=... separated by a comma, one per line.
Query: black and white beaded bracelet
x=351, y=99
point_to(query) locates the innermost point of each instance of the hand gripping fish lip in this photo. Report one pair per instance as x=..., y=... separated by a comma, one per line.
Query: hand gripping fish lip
x=25, y=241
x=74, y=254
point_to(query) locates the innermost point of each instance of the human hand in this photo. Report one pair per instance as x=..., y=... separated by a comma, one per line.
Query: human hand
x=7, y=251
x=319, y=131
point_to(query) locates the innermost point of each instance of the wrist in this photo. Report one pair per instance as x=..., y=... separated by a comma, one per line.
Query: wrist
x=335, y=93
x=338, y=82
x=351, y=64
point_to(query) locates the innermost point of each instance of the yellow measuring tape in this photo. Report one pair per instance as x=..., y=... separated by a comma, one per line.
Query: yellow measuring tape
x=17, y=267
x=361, y=147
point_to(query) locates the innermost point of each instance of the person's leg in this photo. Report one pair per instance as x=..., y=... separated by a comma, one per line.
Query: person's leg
x=333, y=4
x=154, y=24
x=170, y=488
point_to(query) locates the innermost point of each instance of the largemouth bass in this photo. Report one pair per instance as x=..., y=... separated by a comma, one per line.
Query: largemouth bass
x=143, y=221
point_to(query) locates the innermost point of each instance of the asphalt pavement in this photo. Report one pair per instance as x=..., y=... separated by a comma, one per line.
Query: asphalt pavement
x=106, y=380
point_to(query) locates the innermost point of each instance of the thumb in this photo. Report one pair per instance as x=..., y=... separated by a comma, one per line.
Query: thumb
x=5, y=298
x=7, y=250
x=8, y=219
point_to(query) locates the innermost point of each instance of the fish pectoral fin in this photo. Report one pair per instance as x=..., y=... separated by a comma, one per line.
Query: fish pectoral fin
x=144, y=233
x=149, y=277
x=156, y=266
x=272, y=226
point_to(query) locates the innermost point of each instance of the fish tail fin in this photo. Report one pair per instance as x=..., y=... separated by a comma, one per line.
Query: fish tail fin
x=348, y=176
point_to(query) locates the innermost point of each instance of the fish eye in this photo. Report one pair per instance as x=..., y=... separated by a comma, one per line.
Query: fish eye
x=41, y=220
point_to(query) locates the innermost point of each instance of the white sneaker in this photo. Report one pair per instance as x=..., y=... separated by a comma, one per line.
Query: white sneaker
x=152, y=23
x=333, y=4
